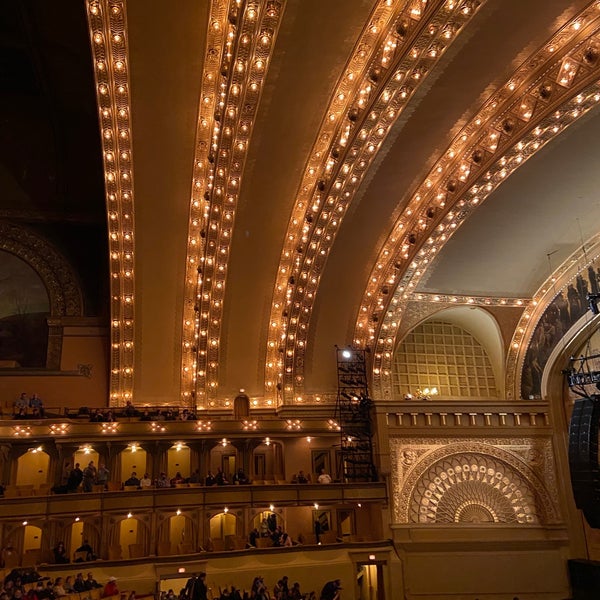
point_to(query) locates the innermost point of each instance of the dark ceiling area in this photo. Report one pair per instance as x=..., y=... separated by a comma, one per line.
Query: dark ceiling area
x=51, y=172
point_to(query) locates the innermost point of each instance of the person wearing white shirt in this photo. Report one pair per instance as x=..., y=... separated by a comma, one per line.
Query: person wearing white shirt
x=324, y=477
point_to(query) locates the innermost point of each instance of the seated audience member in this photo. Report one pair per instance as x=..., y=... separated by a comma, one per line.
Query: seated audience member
x=253, y=536
x=48, y=591
x=129, y=410
x=163, y=481
x=145, y=481
x=110, y=589
x=302, y=478
x=59, y=588
x=178, y=479
x=210, y=479
x=35, y=402
x=220, y=478
x=69, y=584
x=79, y=583
x=96, y=416
x=60, y=554
x=21, y=413
x=324, y=477
x=87, y=548
x=90, y=583
x=240, y=477
x=133, y=480
x=295, y=593
x=195, y=477
x=331, y=590
x=146, y=415
x=22, y=402
x=109, y=417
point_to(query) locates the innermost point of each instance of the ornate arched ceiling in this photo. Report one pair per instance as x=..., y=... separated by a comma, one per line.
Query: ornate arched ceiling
x=304, y=169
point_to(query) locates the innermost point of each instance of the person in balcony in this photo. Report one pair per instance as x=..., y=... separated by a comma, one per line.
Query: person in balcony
x=60, y=554
x=59, y=588
x=220, y=477
x=178, y=479
x=324, y=477
x=87, y=548
x=210, y=480
x=110, y=589
x=240, y=478
x=35, y=402
x=79, y=583
x=102, y=475
x=75, y=478
x=89, y=476
x=163, y=481
x=90, y=583
x=22, y=402
x=133, y=480
x=145, y=482
x=129, y=410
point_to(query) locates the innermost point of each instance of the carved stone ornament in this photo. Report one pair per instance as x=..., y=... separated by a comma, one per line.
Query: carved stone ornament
x=473, y=481
x=64, y=291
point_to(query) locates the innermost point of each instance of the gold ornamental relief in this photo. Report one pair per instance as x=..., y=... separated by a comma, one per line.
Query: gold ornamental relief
x=473, y=481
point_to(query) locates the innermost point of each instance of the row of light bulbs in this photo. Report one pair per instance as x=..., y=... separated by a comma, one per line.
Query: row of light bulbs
x=106, y=22
x=370, y=96
x=577, y=101
x=244, y=36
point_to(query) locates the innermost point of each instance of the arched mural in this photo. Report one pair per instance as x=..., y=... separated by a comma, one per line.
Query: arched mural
x=24, y=309
x=569, y=305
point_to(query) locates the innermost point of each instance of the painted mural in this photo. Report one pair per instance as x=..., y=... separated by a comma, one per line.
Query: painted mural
x=568, y=306
x=24, y=309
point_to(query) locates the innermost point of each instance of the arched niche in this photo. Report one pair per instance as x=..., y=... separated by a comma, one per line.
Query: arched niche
x=179, y=461
x=133, y=459
x=179, y=532
x=131, y=534
x=84, y=455
x=32, y=467
x=457, y=350
x=222, y=525
x=263, y=520
x=32, y=537
x=44, y=272
x=268, y=461
x=224, y=456
x=24, y=536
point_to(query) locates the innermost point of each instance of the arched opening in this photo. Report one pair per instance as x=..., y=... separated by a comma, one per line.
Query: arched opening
x=179, y=461
x=84, y=454
x=177, y=536
x=222, y=525
x=267, y=461
x=32, y=468
x=131, y=538
x=24, y=312
x=133, y=460
x=224, y=456
x=456, y=354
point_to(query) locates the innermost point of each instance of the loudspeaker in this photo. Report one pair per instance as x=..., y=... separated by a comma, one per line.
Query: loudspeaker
x=583, y=457
x=585, y=579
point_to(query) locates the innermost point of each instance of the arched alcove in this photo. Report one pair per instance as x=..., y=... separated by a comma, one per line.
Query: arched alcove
x=132, y=459
x=222, y=525
x=458, y=351
x=32, y=467
x=179, y=461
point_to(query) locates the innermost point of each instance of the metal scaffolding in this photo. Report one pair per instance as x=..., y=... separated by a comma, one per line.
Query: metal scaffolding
x=353, y=415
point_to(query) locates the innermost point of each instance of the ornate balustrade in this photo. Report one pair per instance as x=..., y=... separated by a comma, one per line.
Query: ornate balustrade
x=534, y=416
